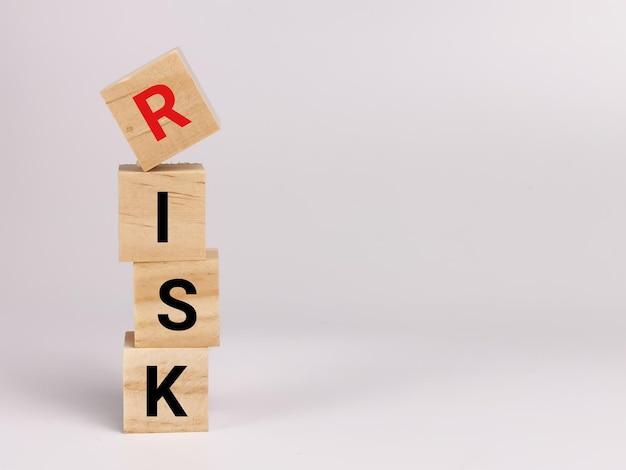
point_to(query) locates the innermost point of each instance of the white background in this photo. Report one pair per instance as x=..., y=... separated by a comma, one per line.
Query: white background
x=420, y=208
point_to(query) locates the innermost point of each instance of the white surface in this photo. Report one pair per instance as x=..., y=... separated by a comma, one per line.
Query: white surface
x=420, y=211
x=432, y=395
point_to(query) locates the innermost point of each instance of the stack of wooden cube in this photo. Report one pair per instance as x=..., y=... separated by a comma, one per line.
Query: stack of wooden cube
x=161, y=111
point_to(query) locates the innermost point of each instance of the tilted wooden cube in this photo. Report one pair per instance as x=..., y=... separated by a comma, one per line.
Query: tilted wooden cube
x=162, y=213
x=160, y=109
x=165, y=390
x=177, y=303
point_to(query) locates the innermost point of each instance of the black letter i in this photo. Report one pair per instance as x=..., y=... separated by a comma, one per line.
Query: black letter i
x=162, y=217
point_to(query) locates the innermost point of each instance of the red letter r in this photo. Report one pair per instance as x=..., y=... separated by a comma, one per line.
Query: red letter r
x=152, y=117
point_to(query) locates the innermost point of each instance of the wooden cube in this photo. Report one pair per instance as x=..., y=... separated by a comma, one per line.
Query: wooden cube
x=162, y=212
x=177, y=303
x=160, y=109
x=165, y=390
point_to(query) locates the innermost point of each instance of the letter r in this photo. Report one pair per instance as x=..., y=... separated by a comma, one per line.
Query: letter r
x=167, y=110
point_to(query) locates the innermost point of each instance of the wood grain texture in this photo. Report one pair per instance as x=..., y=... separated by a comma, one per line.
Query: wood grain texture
x=172, y=71
x=190, y=389
x=204, y=277
x=138, y=222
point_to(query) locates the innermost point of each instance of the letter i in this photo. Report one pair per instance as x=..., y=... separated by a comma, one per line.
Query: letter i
x=162, y=217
